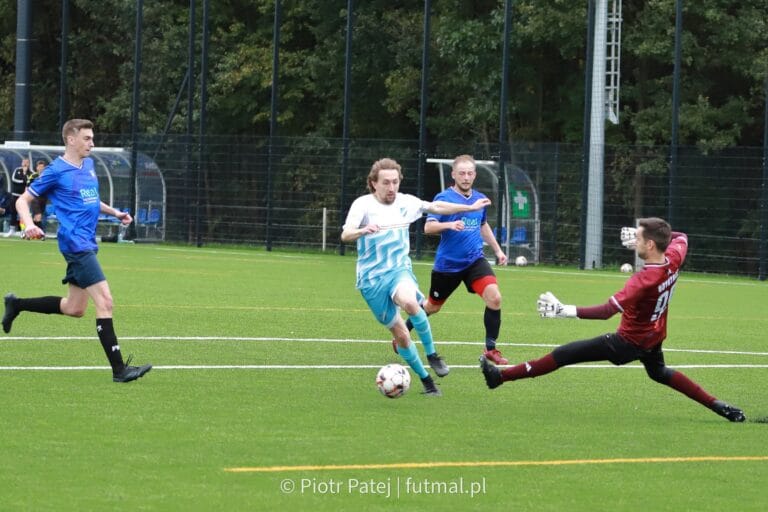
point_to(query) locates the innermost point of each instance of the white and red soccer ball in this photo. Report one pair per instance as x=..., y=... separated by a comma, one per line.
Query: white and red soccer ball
x=393, y=380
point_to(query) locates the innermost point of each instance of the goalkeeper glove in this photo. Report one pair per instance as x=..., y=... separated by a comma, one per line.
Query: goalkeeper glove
x=629, y=237
x=550, y=307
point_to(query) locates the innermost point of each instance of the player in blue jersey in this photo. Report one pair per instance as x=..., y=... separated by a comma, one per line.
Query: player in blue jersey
x=460, y=255
x=70, y=184
x=379, y=223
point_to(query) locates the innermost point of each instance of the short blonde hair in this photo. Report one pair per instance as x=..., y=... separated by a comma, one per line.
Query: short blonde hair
x=463, y=158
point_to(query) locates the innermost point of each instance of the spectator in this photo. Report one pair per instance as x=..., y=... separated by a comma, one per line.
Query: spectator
x=19, y=179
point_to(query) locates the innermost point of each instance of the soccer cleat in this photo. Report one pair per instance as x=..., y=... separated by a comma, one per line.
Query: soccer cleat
x=11, y=312
x=728, y=412
x=129, y=373
x=436, y=363
x=495, y=356
x=429, y=387
x=491, y=373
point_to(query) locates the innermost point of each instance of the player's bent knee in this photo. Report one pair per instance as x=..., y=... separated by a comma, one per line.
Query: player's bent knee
x=75, y=312
x=662, y=375
x=494, y=301
x=431, y=308
x=411, y=307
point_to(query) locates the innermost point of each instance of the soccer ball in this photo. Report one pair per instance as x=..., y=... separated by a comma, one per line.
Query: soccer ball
x=393, y=380
x=626, y=268
x=521, y=261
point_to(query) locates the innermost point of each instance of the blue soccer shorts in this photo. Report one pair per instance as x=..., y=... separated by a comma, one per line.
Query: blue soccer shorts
x=380, y=296
x=83, y=269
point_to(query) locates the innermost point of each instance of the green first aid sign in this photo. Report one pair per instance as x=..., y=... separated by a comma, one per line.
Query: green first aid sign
x=521, y=206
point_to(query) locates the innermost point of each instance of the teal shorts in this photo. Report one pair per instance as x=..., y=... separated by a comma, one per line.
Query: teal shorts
x=380, y=297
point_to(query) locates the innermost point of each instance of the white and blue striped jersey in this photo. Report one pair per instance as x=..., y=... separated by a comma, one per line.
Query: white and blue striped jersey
x=387, y=250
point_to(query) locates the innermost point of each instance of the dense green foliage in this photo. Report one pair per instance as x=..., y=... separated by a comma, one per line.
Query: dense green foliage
x=724, y=64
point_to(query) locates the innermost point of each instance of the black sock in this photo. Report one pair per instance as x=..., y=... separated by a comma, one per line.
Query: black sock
x=492, y=319
x=46, y=305
x=108, y=340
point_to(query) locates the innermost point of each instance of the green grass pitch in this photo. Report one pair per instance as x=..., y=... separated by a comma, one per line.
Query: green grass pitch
x=265, y=361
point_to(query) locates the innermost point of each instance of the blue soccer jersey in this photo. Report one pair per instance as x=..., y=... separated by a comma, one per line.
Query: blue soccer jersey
x=74, y=192
x=459, y=249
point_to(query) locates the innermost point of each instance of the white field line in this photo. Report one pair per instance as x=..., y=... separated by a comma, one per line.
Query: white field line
x=20, y=339
x=333, y=340
x=354, y=367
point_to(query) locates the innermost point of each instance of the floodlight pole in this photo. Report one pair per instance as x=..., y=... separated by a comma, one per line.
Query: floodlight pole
x=503, y=129
x=594, y=242
x=764, y=195
x=63, y=62
x=202, y=155
x=587, y=134
x=345, y=121
x=190, y=119
x=273, y=118
x=23, y=70
x=423, y=121
x=673, y=150
x=135, y=116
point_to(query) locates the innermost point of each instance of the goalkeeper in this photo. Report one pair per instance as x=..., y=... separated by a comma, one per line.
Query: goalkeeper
x=643, y=304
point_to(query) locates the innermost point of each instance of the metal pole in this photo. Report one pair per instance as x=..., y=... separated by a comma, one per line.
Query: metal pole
x=345, y=122
x=172, y=113
x=135, y=106
x=504, y=153
x=203, y=120
x=423, y=120
x=23, y=102
x=190, y=120
x=764, y=196
x=675, y=113
x=63, y=62
x=273, y=117
x=587, y=134
x=595, y=196
x=325, y=224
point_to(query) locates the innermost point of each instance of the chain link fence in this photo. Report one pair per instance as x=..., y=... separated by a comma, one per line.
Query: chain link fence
x=289, y=192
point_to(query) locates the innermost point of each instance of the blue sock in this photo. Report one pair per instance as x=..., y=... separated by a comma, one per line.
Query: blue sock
x=421, y=324
x=411, y=357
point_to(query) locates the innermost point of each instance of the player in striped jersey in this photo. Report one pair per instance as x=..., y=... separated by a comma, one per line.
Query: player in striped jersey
x=643, y=304
x=379, y=223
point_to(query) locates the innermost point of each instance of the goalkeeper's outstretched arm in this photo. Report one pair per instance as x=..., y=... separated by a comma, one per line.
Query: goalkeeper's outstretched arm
x=601, y=312
x=550, y=306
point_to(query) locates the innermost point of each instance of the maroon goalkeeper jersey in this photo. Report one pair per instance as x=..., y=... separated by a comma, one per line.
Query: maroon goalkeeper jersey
x=644, y=300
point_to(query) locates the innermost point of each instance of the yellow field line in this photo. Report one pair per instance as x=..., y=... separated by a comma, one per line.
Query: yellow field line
x=485, y=464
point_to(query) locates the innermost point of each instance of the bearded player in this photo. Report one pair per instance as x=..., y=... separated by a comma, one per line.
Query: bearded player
x=460, y=257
